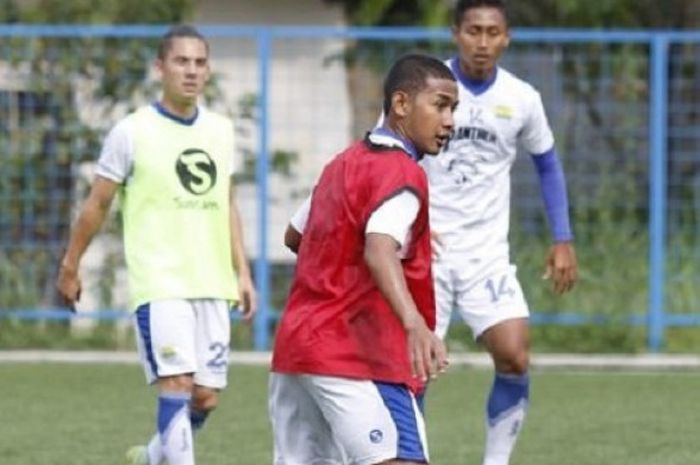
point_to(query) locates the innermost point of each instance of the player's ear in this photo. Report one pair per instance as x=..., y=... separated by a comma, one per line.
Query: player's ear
x=158, y=67
x=455, y=33
x=400, y=102
x=208, y=72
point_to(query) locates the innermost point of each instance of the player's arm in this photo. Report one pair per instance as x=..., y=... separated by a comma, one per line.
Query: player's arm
x=560, y=264
x=426, y=352
x=387, y=230
x=537, y=139
x=240, y=261
x=90, y=219
x=296, y=226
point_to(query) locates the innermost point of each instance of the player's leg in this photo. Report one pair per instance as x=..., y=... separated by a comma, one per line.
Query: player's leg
x=174, y=424
x=213, y=340
x=167, y=345
x=212, y=332
x=494, y=307
x=508, y=344
x=154, y=452
x=204, y=401
x=301, y=435
x=390, y=429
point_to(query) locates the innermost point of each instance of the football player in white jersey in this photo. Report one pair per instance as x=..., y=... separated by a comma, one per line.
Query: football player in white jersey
x=470, y=210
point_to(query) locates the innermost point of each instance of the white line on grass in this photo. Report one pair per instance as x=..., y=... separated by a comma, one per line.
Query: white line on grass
x=479, y=360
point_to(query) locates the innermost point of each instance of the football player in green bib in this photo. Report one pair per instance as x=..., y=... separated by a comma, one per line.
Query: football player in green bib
x=171, y=163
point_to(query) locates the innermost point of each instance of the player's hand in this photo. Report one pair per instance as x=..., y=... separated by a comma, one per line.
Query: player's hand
x=561, y=267
x=69, y=285
x=427, y=352
x=249, y=298
x=439, y=355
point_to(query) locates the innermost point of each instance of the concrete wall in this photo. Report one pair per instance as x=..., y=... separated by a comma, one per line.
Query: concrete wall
x=301, y=120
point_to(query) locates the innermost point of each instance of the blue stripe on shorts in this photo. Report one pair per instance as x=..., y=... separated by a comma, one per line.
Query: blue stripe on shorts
x=399, y=402
x=143, y=320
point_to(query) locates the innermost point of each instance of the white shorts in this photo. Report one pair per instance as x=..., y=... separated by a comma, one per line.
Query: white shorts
x=322, y=420
x=482, y=299
x=185, y=336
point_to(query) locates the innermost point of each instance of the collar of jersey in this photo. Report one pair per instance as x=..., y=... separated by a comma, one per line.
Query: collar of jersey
x=388, y=138
x=475, y=86
x=178, y=119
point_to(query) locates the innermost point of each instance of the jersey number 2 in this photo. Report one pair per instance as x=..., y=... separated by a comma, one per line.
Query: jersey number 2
x=219, y=359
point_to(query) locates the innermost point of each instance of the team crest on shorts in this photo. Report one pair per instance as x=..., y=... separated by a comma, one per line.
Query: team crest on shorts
x=376, y=436
x=168, y=352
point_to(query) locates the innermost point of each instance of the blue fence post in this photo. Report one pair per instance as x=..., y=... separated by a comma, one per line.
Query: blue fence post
x=658, y=130
x=262, y=268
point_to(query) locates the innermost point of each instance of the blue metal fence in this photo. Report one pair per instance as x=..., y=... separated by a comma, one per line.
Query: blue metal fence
x=623, y=92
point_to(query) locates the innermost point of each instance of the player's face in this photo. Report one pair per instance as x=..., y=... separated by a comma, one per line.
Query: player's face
x=184, y=70
x=429, y=118
x=481, y=38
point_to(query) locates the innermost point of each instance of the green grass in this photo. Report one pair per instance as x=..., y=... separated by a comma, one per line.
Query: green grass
x=89, y=414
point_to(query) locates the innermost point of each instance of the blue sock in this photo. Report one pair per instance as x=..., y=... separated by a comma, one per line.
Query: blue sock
x=197, y=418
x=505, y=412
x=507, y=392
x=155, y=449
x=175, y=428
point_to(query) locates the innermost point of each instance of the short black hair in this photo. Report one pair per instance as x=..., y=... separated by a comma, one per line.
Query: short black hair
x=410, y=73
x=465, y=5
x=176, y=32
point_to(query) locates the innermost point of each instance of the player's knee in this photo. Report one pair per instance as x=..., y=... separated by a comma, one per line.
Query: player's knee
x=177, y=383
x=516, y=363
x=521, y=363
x=205, y=403
x=205, y=400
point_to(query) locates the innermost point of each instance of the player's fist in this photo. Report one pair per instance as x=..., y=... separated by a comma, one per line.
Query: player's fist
x=249, y=300
x=561, y=267
x=427, y=353
x=68, y=285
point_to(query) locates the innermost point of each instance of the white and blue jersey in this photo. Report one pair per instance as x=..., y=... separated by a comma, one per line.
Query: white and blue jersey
x=470, y=178
x=470, y=198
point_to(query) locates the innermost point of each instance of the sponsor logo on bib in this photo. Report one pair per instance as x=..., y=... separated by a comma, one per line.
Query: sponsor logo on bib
x=196, y=171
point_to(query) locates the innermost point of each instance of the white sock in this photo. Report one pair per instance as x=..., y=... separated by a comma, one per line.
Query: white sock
x=174, y=428
x=505, y=411
x=155, y=449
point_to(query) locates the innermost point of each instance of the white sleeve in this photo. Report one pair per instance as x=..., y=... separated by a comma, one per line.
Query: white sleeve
x=395, y=218
x=536, y=136
x=301, y=216
x=117, y=156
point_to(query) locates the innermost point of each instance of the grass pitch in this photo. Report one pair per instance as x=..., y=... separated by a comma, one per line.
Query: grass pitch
x=62, y=414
